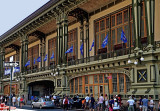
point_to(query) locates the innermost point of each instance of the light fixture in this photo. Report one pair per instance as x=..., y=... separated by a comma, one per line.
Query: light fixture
x=129, y=61
x=142, y=58
x=135, y=62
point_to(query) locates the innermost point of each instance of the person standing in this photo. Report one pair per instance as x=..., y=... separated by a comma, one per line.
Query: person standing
x=131, y=104
x=65, y=103
x=21, y=102
x=159, y=105
x=106, y=102
x=18, y=99
x=87, y=101
x=151, y=103
x=145, y=103
x=13, y=100
x=91, y=101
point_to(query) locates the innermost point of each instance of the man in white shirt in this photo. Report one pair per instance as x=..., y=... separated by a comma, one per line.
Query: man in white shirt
x=131, y=104
x=101, y=99
x=151, y=103
x=87, y=101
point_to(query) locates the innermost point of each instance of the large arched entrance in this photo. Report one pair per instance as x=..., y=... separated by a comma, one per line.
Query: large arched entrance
x=41, y=88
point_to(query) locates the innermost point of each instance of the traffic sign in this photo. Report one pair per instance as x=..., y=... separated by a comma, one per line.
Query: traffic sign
x=11, y=64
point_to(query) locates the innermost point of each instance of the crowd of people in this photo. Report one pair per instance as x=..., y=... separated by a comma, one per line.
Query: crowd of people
x=15, y=100
x=102, y=103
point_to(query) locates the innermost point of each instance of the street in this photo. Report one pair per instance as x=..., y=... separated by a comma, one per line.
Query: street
x=28, y=108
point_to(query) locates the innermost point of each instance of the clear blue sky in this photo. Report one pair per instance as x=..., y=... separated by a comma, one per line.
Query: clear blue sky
x=14, y=11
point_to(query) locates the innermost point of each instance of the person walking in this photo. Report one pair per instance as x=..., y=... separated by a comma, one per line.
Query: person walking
x=131, y=104
x=65, y=103
x=91, y=102
x=87, y=101
x=101, y=99
x=145, y=103
x=140, y=103
x=151, y=103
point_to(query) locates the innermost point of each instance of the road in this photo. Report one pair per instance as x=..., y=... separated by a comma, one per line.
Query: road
x=28, y=108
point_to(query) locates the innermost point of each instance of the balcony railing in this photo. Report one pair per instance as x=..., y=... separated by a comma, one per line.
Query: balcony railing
x=97, y=57
x=101, y=56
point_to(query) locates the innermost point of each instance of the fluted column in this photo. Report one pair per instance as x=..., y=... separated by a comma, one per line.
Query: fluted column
x=87, y=38
x=44, y=50
x=2, y=60
x=150, y=12
x=41, y=53
x=136, y=4
x=24, y=52
x=22, y=67
x=59, y=41
x=82, y=36
x=65, y=37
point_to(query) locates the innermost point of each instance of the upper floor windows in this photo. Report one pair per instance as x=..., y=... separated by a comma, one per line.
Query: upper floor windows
x=52, y=51
x=33, y=54
x=72, y=41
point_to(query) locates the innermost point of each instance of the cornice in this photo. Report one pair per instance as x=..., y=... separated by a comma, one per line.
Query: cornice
x=46, y=13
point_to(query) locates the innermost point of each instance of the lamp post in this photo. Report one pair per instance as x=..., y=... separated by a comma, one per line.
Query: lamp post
x=11, y=65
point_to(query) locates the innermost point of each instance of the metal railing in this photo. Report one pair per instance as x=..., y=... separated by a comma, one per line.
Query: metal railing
x=102, y=56
x=111, y=54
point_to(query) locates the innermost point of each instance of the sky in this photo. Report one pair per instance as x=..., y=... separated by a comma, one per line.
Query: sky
x=14, y=11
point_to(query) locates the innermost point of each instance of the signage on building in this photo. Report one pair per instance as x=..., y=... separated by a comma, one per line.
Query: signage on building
x=11, y=64
x=8, y=71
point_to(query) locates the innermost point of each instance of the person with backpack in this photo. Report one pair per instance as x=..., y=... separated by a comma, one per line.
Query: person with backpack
x=65, y=103
x=91, y=101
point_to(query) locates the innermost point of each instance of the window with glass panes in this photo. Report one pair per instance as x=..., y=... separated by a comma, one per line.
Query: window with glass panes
x=127, y=84
x=33, y=53
x=119, y=21
x=101, y=29
x=114, y=82
x=80, y=84
x=72, y=41
x=76, y=85
x=121, y=82
x=72, y=86
x=51, y=50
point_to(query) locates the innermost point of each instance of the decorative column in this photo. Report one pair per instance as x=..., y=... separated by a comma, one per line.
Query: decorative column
x=22, y=45
x=136, y=7
x=59, y=41
x=41, y=53
x=44, y=50
x=150, y=12
x=82, y=36
x=2, y=60
x=65, y=37
x=87, y=38
x=25, y=51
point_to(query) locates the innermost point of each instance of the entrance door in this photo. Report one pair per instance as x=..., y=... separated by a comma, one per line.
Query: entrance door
x=96, y=92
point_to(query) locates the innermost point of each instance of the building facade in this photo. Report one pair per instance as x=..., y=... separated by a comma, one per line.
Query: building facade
x=43, y=38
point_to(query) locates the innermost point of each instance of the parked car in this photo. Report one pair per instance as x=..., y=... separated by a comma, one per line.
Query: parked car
x=43, y=103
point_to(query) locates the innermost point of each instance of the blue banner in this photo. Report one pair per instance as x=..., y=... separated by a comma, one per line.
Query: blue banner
x=92, y=45
x=52, y=56
x=39, y=59
x=27, y=64
x=105, y=41
x=45, y=58
x=123, y=37
x=7, y=71
x=70, y=50
x=81, y=49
